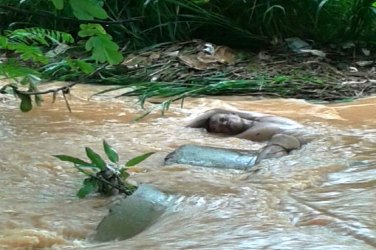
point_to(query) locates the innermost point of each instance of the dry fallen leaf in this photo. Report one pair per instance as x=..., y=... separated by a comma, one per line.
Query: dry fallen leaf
x=364, y=63
x=225, y=55
x=222, y=54
x=154, y=56
x=192, y=62
x=263, y=56
x=314, y=52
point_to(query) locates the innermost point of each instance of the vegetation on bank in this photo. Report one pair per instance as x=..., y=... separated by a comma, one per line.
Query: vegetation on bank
x=94, y=41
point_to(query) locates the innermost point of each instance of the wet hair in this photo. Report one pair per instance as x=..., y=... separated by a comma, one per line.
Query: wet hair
x=207, y=124
x=209, y=120
x=231, y=130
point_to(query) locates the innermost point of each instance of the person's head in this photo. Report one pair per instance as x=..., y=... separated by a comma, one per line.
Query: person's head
x=225, y=123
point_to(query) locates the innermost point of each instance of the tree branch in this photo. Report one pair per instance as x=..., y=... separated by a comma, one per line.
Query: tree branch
x=63, y=88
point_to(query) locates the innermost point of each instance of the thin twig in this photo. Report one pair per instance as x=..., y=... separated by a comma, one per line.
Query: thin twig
x=64, y=88
x=120, y=188
x=66, y=102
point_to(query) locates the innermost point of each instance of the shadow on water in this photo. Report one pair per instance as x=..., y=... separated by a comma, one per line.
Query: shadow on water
x=320, y=197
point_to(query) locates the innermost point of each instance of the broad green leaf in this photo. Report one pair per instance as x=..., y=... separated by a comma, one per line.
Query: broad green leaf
x=66, y=37
x=59, y=4
x=3, y=42
x=90, y=186
x=80, y=65
x=29, y=52
x=87, y=9
x=104, y=50
x=12, y=69
x=71, y=159
x=91, y=29
x=110, y=152
x=26, y=104
x=85, y=67
x=95, y=158
x=134, y=161
x=123, y=173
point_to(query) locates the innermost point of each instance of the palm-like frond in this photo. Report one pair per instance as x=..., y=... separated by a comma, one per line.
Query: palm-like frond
x=40, y=36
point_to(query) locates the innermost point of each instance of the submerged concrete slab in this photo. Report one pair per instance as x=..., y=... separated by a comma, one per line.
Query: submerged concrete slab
x=212, y=157
x=132, y=214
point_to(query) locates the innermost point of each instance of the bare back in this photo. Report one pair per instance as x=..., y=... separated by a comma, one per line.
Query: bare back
x=263, y=127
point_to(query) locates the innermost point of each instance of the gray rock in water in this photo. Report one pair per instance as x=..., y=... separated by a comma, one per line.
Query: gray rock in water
x=133, y=214
x=212, y=157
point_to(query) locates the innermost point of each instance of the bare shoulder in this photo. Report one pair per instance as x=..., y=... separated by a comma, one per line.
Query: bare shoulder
x=249, y=115
x=282, y=121
x=264, y=129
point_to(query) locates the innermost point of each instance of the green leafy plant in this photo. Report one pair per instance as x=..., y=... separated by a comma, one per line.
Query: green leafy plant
x=100, y=44
x=39, y=36
x=84, y=9
x=87, y=9
x=25, y=51
x=106, y=178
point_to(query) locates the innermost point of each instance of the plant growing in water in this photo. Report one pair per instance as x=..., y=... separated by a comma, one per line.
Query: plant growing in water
x=106, y=178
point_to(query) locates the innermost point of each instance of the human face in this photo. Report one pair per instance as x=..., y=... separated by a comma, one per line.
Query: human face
x=225, y=123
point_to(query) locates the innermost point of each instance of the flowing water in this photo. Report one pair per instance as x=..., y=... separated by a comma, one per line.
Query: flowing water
x=320, y=197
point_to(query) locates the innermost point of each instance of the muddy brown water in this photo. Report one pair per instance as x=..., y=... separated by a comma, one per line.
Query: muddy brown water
x=321, y=197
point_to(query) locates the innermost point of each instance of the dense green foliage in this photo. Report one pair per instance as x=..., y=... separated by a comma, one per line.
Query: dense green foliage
x=104, y=178
x=76, y=39
x=236, y=22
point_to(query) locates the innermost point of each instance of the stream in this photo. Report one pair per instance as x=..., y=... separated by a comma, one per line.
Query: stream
x=320, y=197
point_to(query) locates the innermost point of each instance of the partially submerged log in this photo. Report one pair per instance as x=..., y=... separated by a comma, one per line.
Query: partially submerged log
x=212, y=157
x=132, y=214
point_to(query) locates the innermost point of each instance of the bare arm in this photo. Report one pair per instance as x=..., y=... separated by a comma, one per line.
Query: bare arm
x=249, y=115
x=260, y=131
x=279, y=145
x=268, y=119
x=200, y=121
